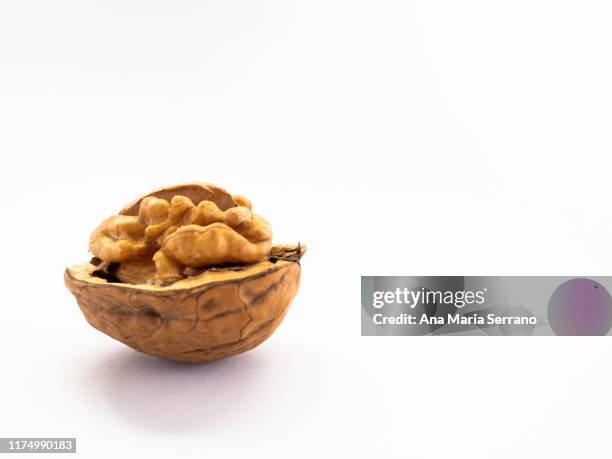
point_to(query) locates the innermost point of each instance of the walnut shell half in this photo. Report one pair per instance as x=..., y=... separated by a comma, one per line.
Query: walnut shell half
x=215, y=314
x=188, y=273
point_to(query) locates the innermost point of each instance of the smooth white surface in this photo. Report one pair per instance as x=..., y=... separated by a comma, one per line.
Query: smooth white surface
x=423, y=137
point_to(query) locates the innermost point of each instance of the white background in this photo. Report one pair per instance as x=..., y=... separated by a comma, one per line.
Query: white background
x=409, y=137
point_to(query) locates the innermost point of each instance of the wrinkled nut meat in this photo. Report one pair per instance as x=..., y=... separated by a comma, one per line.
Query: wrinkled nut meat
x=181, y=234
x=188, y=273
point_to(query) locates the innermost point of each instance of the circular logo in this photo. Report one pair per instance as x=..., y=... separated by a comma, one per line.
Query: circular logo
x=580, y=307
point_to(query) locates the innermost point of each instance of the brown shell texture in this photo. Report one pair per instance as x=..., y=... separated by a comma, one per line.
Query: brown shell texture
x=216, y=313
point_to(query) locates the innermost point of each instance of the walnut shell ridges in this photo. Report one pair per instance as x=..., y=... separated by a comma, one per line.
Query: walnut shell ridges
x=219, y=312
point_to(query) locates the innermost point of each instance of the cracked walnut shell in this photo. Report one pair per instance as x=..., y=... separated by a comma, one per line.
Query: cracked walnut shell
x=187, y=273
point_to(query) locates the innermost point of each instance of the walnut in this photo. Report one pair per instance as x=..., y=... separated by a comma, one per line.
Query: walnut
x=179, y=234
x=188, y=273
